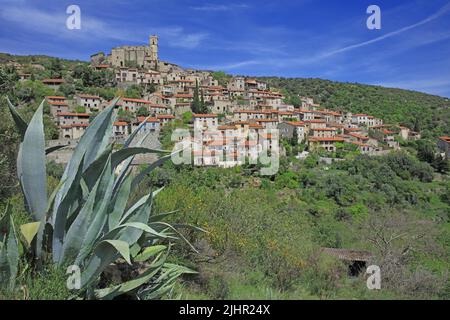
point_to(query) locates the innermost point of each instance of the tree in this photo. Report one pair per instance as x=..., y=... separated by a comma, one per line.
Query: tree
x=93, y=78
x=80, y=109
x=125, y=115
x=55, y=68
x=134, y=91
x=396, y=237
x=425, y=151
x=294, y=140
x=142, y=112
x=8, y=78
x=203, y=106
x=187, y=117
x=67, y=89
x=9, y=140
x=441, y=164
x=221, y=77
x=196, y=104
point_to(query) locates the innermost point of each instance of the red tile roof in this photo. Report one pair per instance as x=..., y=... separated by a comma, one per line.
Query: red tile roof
x=314, y=121
x=165, y=116
x=55, y=97
x=296, y=123
x=324, y=129
x=56, y=103
x=87, y=96
x=80, y=125
x=183, y=95
x=53, y=81
x=255, y=126
x=358, y=136
x=141, y=119
x=360, y=144
x=225, y=127
x=72, y=114
x=331, y=139
x=266, y=120
x=202, y=115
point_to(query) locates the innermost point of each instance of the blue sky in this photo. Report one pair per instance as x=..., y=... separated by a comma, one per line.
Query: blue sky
x=292, y=38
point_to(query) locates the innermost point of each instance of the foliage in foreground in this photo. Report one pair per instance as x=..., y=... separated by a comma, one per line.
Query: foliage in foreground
x=89, y=220
x=265, y=233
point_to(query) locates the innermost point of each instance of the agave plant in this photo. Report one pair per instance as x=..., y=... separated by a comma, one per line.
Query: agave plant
x=9, y=251
x=89, y=221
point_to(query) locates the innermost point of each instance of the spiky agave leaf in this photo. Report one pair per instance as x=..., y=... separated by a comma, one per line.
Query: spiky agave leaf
x=151, y=271
x=32, y=174
x=21, y=124
x=165, y=282
x=104, y=255
x=92, y=225
x=91, y=145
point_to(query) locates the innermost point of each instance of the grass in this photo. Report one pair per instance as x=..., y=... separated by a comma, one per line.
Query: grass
x=48, y=284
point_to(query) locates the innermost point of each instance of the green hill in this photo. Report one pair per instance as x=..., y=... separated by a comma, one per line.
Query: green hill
x=37, y=59
x=265, y=234
x=420, y=111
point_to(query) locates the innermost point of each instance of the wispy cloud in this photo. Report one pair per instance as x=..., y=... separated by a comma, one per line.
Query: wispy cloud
x=442, y=11
x=228, y=66
x=94, y=29
x=177, y=37
x=221, y=7
x=54, y=24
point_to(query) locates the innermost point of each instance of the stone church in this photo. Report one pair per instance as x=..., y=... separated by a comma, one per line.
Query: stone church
x=131, y=56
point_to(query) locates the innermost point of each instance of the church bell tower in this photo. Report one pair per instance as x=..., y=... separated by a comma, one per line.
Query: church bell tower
x=153, y=48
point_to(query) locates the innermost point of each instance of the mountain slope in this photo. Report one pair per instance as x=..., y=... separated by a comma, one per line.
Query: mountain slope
x=427, y=113
x=418, y=111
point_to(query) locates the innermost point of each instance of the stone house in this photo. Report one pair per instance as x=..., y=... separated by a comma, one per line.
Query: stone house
x=236, y=84
x=329, y=144
x=315, y=124
x=268, y=123
x=165, y=119
x=205, y=121
x=444, y=145
x=121, y=129
x=324, y=132
x=73, y=131
x=287, y=130
x=69, y=118
x=58, y=104
x=151, y=125
x=88, y=101
x=53, y=83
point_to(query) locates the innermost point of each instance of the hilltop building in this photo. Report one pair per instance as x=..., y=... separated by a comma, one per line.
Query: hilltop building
x=136, y=56
x=131, y=56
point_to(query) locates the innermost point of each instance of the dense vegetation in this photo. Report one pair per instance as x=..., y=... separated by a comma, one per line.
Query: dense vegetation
x=418, y=111
x=88, y=223
x=265, y=234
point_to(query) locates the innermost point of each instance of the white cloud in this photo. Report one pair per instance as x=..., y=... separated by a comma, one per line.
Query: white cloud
x=230, y=66
x=178, y=37
x=93, y=29
x=442, y=11
x=220, y=7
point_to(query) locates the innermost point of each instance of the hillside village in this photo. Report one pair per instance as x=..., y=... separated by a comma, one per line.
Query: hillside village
x=360, y=178
x=224, y=109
